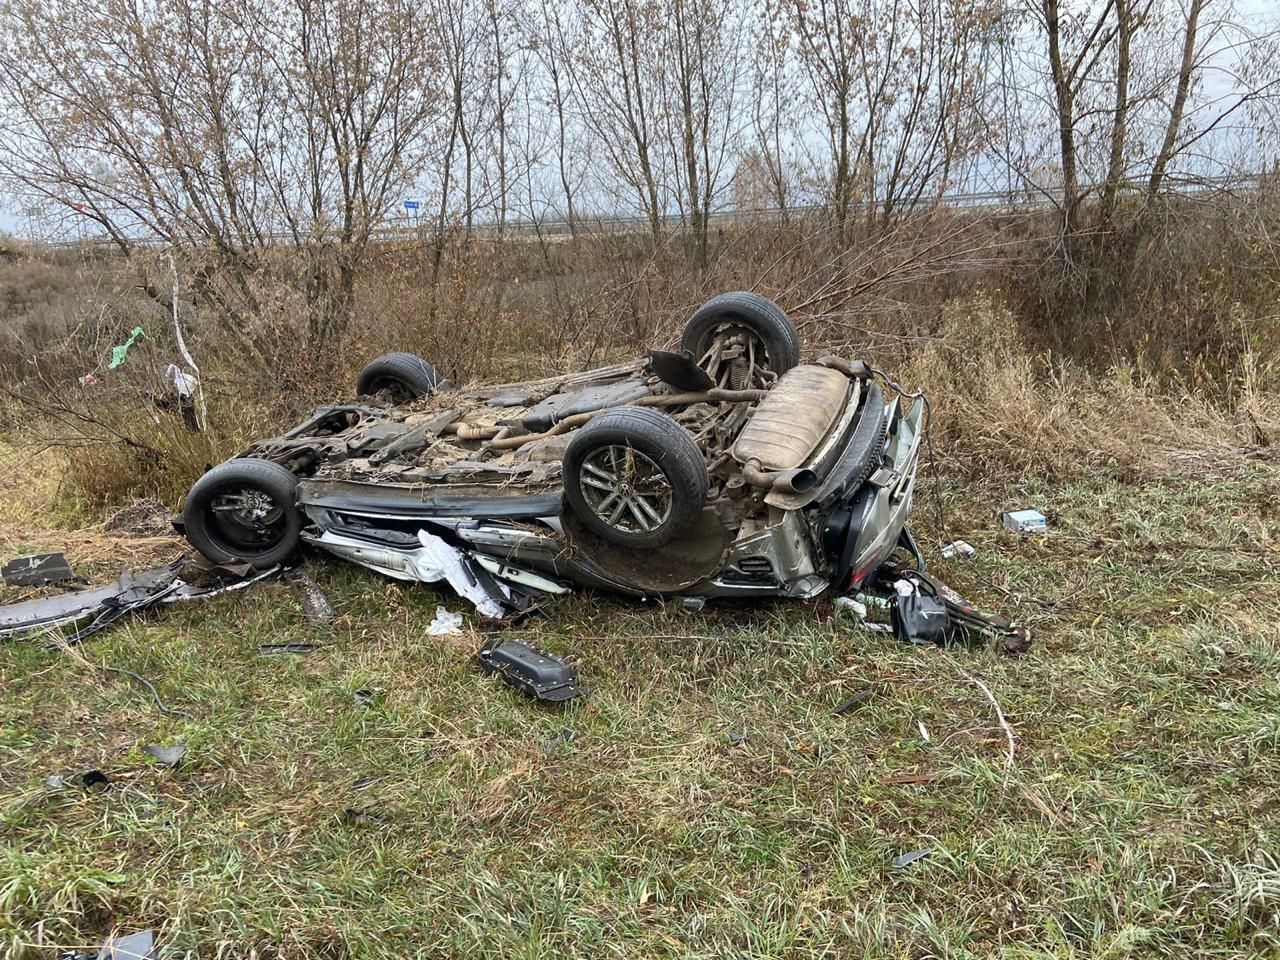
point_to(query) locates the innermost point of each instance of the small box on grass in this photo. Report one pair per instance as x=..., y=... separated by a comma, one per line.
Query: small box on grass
x=1026, y=521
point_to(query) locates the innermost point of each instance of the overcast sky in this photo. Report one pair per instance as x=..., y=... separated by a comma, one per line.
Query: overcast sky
x=1254, y=14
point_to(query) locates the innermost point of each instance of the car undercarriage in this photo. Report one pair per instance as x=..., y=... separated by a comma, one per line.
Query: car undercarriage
x=725, y=469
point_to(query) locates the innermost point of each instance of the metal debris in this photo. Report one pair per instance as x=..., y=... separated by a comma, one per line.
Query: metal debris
x=958, y=548
x=134, y=946
x=315, y=605
x=857, y=700
x=903, y=860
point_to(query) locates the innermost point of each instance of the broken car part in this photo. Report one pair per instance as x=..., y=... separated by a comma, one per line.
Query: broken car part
x=535, y=673
x=964, y=620
x=135, y=946
x=41, y=570
x=96, y=608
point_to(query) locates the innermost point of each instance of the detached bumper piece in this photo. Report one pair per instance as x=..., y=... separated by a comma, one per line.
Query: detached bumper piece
x=86, y=612
x=534, y=673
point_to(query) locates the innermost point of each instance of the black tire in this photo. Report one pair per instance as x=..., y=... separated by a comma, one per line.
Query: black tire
x=401, y=376
x=226, y=534
x=758, y=314
x=641, y=444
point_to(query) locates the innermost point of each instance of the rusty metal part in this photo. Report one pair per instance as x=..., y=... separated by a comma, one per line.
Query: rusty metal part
x=854, y=369
x=568, y=423
x=784, y=481
x=793, y=419
x=659, y=400
x=714, y=395
x=474, y=431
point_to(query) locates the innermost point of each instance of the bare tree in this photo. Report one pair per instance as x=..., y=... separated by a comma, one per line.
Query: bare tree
x=894, y=82
x=222, y=129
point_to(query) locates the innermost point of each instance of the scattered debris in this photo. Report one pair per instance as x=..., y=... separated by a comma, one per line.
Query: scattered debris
x=169, y=756
x=118, y=354
x=94, y=780
x=737, y=737
x=271, y=649
x=364, y=698
x=1004, y=724
x=919, y=617
x=40, y=570
x=360, y=818
x=55, y=782
x=135, y=946
x=315, y=605
x=903, y=860
x=852, y=606
x=96, y=608
x=857, y=700
x=563, y=738
x=1026, y=521
x=958, y=548
x=147, y=517
x=445, y=623
x=364, y=783
x=915, y=615
x=693, y=604
x=540, y=675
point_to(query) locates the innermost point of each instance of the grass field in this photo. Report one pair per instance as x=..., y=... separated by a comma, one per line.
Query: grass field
x=704, y=801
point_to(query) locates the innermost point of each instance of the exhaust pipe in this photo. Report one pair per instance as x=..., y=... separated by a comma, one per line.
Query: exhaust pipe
x=800, y=480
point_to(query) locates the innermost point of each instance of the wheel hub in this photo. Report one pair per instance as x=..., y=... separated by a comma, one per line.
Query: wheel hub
x=626, y=489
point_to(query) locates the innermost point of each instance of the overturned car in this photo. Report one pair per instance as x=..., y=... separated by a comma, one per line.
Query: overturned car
x=727, y=469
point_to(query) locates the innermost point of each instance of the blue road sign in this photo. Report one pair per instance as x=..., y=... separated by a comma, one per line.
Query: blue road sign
x=411, y=204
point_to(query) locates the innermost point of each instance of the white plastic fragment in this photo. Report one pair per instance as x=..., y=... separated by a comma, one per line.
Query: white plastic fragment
x=445, y=623
x=446, y=561
x=958, y=548
x=850, y=605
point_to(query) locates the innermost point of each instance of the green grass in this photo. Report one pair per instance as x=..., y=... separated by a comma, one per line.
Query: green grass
x=1141, y=815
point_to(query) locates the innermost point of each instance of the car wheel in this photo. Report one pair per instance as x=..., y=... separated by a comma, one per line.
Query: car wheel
x=743, y=340
x=400, y=377
x=244, y=511
x=635, y=477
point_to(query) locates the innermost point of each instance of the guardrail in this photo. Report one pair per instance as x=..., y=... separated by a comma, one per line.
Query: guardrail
x=404, y=227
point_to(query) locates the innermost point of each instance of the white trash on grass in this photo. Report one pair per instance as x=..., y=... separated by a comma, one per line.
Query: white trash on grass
x=445, y=623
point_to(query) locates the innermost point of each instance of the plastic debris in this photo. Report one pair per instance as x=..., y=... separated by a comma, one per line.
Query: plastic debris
x=1026, y=521
x=94, y=780
x=118, y=354
x=135, y=946
x=169, y=756
x=445, y=623
x=857, y=700
x=851, y=605
x=40, y=570
x=906, y=859
x=958, y=548
x=540, y=675
x=184, y=384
